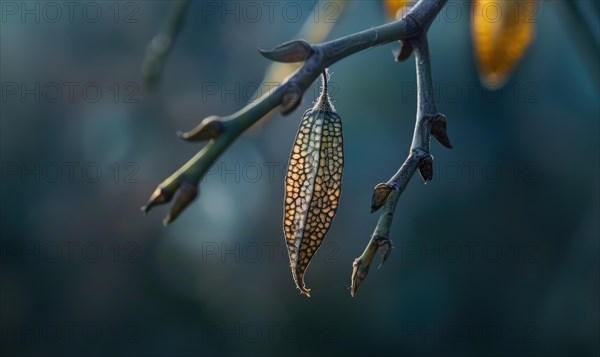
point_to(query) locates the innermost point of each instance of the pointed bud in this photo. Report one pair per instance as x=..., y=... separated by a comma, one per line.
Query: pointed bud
x=384, y=246
x=426, y=168
x=209, y=128
x=360, y=269
x=159, y=197
x=292, y=96
x=359, y=273
x=289, y=52
x=406, y=49
x=185, y=195
x=438, y=131
x=380, y=195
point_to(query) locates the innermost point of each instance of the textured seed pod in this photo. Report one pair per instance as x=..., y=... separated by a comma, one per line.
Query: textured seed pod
x=313, y=184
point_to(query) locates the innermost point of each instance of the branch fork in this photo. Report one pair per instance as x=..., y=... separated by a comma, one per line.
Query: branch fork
x=220, y=132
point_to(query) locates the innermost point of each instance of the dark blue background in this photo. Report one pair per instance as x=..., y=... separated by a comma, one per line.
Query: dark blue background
x=497, y=256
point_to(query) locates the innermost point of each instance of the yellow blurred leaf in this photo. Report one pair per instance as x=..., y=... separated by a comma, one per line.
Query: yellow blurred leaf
x=502, y=30
x=395, y=9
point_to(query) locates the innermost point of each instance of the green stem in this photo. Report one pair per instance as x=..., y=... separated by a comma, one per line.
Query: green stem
x=419, y=152
x=160, y=46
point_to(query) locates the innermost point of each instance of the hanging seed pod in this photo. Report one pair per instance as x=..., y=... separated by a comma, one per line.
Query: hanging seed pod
x=313, y=184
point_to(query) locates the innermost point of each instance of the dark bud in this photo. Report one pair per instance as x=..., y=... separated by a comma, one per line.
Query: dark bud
x=209, y=128
x=159, y=196
x=384, y=246
x=360, y=269
x=380, y=195
x=426, y=168
x=438, y=130
x=406, y=49
x=185, y=195
x=292, y=96
x=359, y=274
x=289, y=52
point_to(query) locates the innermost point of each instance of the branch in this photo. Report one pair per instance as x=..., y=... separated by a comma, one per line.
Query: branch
x=429, y=122
x=221, y=132
x=158, y=49
x=311, y=31
x=584, y=31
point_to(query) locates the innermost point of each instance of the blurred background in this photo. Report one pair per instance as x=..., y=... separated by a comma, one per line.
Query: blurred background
x=499, y=255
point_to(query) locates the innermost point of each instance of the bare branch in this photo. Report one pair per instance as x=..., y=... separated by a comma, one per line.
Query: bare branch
x=288, y=96
x=161, y=44
x=311, y=32
x=582, y=20
x=429, y=122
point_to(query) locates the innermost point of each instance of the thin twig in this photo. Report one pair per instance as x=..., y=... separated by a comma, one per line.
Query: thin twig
x=158, y=49
x=582, y=20
x=428, y=122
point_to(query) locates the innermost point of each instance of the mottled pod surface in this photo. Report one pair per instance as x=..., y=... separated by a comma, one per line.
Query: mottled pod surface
x=312, y=185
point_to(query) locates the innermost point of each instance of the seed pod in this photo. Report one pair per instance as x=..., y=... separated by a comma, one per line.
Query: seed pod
x=313, y=184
